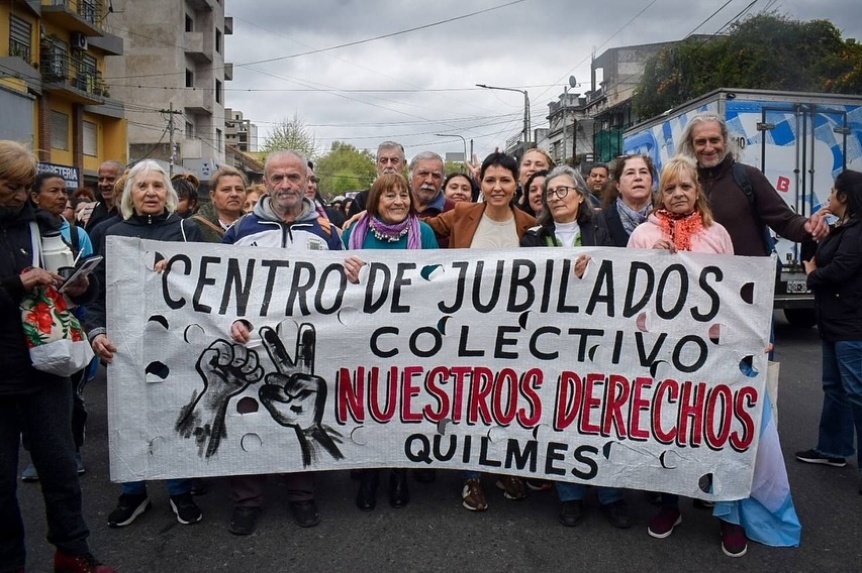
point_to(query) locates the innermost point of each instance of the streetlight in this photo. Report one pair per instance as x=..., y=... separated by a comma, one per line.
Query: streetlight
x=573, y=83
x=466, y=159
x=526, y=107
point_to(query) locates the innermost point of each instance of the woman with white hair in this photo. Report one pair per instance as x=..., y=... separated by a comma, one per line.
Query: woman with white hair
x=148, y=206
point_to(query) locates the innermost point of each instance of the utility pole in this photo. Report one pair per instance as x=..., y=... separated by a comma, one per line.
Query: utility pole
x=565, y=106
x=171, y=112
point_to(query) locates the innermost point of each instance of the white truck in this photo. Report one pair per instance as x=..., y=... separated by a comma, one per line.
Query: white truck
x=800, y=141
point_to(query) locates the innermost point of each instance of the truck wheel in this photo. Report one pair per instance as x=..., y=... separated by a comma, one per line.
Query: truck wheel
x=801, y=317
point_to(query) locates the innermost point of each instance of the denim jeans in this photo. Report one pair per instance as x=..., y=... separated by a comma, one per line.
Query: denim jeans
x=842, y=399
x=575, y=491
x=175, y=487
x=44, y=416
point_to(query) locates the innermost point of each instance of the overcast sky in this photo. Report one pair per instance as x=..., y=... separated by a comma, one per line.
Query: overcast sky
x=412, y=85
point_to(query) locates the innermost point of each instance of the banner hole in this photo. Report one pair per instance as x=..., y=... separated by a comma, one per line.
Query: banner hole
x=251, y=442
x=247, y=405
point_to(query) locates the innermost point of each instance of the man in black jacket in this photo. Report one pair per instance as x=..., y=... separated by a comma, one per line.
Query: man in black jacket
x=109, y=171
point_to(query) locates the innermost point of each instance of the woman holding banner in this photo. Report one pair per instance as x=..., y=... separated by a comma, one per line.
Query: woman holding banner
x=492, y=224
x=390, y=222
x=835, y=276
x=683, y=221
x=566, y=220
x=148, y=206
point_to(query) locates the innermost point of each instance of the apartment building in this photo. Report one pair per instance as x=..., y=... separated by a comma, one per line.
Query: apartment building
x=172, y=77
x=53, y=93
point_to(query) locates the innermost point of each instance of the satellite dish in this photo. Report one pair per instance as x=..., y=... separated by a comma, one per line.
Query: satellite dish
x=573, y=82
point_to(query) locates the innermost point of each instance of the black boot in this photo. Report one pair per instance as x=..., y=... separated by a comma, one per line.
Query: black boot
x=398, y=494
x=366, y=498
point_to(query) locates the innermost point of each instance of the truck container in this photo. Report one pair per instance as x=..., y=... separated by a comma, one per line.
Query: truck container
x=800, y=141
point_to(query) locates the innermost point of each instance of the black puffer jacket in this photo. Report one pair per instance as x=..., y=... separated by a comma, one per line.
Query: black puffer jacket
x=164, y=227
x=16, y=372
x=837, y=283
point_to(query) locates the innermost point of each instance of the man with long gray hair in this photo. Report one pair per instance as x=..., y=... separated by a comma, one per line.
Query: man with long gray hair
x=741, y=197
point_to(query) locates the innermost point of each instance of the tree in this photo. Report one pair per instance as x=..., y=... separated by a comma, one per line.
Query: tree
x=345, y=168
x=454, y=167
x=291, y=134
x=766, y=51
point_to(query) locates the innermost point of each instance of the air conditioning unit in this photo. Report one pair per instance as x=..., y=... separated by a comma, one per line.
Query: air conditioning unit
x=79, y=41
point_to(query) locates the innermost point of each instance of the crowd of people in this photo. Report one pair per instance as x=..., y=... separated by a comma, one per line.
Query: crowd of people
x=693, y=204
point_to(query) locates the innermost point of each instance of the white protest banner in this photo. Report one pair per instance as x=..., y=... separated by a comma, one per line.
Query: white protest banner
x=646, y=373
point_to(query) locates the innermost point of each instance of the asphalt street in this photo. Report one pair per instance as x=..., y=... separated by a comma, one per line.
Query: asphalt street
x=434, y=533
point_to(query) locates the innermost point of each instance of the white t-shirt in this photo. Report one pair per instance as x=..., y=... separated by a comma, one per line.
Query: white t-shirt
x=493, y=234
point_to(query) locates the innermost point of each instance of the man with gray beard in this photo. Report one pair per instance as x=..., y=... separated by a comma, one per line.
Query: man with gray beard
x=390, y=159
x=426, y=175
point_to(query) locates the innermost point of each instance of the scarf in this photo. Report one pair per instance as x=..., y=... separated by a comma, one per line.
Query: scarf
x=680, y=228
x=629, y=217
x=386, y=233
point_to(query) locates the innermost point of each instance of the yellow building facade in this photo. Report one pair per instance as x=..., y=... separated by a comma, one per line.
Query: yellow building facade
x=52, y=93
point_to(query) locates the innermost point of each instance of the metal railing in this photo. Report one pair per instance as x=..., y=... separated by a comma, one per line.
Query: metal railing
x=58, y=67
x=19, y=49
x=90, y=10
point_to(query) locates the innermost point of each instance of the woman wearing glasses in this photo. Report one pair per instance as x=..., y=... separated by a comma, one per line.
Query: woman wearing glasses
x=566, y=220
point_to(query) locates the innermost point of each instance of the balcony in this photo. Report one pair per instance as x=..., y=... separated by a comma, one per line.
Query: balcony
x=110, y=44
x=198, y=101
x=228, y=72
x=62, y=76
x=110, y=108
x=84, y=16
x=202, y=5
x=196, y=48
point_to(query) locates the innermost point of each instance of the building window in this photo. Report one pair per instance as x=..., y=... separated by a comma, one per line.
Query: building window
x=91, y=146
x=87, y=72
x=19, y=37
x=54, y=60
x=190, y=79
x=218, y=41
x=190, y=130
x=59, y=130
x=219, y=141
x=87, y=10
x=218, y=91
x=190, y=24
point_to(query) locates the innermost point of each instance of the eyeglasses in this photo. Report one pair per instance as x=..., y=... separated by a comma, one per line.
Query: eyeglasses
x=561, y=192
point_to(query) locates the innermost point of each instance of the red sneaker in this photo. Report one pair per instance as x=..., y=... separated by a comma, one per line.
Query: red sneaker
x=733, y=541
x=662, y=524
x=86, y=563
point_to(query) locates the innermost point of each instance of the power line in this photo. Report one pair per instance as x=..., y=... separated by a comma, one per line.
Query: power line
x=696, y=28
x=339, y=46
x=603, y=44
x=382, y=36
